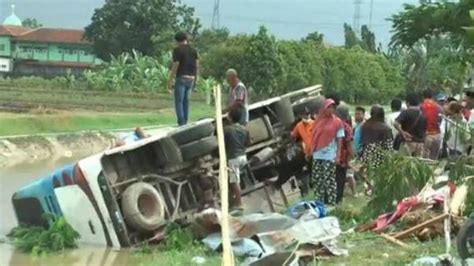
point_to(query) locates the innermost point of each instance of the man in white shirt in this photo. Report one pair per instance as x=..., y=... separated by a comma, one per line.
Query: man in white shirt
x=396, y=106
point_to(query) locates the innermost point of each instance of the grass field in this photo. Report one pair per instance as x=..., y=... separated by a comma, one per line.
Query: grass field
x=26, y=99
x=34, y=111
x=18, y=124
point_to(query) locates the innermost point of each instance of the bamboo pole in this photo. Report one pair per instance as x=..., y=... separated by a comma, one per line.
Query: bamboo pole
x=421, y=226
x=227, y=255
x=394, y=240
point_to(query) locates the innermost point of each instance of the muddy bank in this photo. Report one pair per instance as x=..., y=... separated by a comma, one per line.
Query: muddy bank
x=18, y=150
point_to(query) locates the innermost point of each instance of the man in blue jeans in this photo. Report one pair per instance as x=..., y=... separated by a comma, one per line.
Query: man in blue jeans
x=184, y=71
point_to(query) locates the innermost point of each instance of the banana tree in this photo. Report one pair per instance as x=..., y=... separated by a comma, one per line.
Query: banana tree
x=470, y=30
x=206, y=86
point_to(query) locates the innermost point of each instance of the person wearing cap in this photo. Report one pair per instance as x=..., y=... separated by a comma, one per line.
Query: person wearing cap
x=326, y=143
x=441, y=99
x=238, y=94
x=342, y=111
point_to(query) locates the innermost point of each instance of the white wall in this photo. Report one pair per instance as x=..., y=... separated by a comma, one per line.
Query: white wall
x=5, y=65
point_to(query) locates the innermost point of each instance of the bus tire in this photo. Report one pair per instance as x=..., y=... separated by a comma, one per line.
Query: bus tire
x=284, y=112
x=143, y=207
x=193, y=133
x=199, y=148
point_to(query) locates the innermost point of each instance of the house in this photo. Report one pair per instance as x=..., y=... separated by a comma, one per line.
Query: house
x=43, y=51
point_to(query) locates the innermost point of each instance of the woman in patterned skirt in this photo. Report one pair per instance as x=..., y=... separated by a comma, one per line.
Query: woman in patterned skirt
x=327, y=136
x=376, y=138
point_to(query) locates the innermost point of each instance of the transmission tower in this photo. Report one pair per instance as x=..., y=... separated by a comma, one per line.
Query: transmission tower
x=215, y=16
x=371, y=12
x=357, y=16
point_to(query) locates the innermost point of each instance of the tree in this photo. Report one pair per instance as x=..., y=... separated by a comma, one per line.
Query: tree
x=368, y=39
x=263, y=64
x=225, y=55
x=350, y=37
x=302, y=65
x=31, y=23
x=209, y=38
x=470, y=30
x=434, y=63
x=430, y=19
x=360, y=76
x=314, y=37
x=146, y=26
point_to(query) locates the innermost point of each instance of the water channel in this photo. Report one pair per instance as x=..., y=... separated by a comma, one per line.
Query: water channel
x=11, y=179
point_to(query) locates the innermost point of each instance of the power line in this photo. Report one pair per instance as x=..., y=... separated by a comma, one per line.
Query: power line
x=371, y=13
x=287, y=22
x=357, y=16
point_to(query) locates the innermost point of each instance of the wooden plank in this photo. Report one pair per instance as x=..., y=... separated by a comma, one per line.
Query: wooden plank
x=227, y=254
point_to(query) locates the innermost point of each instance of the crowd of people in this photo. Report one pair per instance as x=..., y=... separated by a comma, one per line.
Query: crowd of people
x=432, y=128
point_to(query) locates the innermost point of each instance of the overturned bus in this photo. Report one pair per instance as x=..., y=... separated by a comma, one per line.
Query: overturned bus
x=124, y=196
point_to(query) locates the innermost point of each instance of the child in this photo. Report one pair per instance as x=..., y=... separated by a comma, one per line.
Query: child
x=236, y=140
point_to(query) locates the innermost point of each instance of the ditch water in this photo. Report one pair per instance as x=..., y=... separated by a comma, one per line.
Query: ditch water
x=11, y=179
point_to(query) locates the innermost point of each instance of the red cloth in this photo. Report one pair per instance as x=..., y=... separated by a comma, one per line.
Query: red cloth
x=384, y=220
x=345, y=144
x=325, y=127
x=467, y=114
x=432, y=111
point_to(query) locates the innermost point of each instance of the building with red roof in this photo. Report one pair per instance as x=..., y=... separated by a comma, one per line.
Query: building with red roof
x=44, y=51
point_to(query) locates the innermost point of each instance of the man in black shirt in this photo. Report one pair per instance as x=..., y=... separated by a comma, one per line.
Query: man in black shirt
x=184, y=71
x=236, y=140
x=411, y=125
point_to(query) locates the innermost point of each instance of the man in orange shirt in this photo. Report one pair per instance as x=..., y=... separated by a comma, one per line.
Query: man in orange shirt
x=303, y=132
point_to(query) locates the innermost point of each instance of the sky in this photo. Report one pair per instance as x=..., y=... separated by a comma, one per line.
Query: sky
x=286, y=19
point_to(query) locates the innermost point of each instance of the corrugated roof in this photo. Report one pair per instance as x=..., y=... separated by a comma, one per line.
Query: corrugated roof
x=53, y=36
x=13, y=30
x=46, y=35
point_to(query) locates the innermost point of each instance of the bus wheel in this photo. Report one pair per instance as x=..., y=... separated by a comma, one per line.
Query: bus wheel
x=143, y=207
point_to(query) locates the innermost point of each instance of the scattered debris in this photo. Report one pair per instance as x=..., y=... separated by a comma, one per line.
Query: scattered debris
x=307, y=210
x=198, y=260
x=275, y=237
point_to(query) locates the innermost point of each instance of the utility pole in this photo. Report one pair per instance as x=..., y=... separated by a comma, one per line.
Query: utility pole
x=357, y=16
x=215, y=16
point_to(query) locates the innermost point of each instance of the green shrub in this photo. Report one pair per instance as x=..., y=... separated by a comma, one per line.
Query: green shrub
x=38, y=240
x=396, y=178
